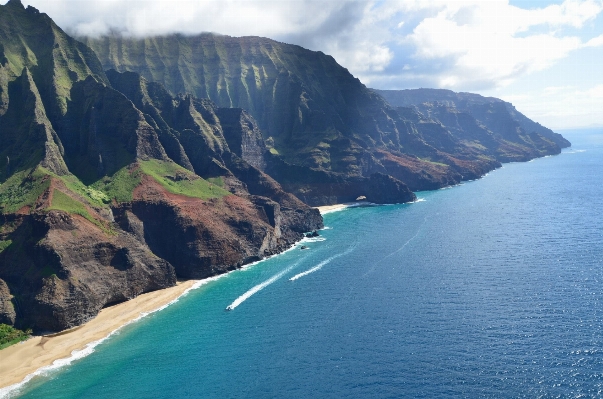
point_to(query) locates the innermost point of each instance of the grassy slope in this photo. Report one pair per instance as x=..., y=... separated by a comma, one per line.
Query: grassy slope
x=178, y=180
x=25, y=187
x=120, y=186
x=22, y=189
x=4, y=244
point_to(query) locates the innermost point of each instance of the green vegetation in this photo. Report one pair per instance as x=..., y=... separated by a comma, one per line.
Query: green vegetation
x=63, y=202
x=47, y=271
x=10, y=335
x=433, y=162
x=119, y=187
x=218, y=181
x=95, y=197
x=4, y=244
x=178, y=180
x=22, y=189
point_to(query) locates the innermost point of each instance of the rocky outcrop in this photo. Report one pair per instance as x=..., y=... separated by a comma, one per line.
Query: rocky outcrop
x=103, y=132
x=315, y=115
x=243, y=136
x=7, y=309
x=69, y=269
x=297, y=215
x=316, y=187
x=496, y=116
x=28, y=135
x=111, y=187
x=203, y=238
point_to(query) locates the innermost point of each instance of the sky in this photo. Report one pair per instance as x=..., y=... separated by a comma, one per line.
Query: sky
x=545, y=57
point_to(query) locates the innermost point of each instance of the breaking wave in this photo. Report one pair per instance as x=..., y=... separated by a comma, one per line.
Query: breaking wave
x=14, y=390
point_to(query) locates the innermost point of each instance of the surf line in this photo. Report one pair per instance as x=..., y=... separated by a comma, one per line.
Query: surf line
x=321, y=264
x=259, y=287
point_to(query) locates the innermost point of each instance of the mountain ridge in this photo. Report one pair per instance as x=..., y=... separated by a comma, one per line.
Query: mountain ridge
x=93, y=210
x=317, y=116
x=114, y=182
x=469, y=103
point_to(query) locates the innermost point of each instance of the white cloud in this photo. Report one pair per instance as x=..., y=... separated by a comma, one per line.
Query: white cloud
x=490, y=43
x=561, y=107
x=595, y=42
x=465, y=45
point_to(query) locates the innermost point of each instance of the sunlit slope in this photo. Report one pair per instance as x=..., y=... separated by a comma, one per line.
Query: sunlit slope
x=313, y=113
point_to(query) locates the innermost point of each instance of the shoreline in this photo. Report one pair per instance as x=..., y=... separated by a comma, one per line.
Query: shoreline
x=23, y=361
x=324, y=209
x=43, y=353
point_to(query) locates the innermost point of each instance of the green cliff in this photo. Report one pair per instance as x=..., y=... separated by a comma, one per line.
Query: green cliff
x=133, y=162
x=315, y=116
x=111, y=187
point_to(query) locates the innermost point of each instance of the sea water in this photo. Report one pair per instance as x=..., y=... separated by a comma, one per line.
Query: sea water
x=493, y=288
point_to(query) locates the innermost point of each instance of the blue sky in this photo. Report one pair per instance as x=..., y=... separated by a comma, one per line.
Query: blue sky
x=545, y=57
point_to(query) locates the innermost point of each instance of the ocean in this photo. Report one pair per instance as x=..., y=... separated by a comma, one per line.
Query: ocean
x=490, y=289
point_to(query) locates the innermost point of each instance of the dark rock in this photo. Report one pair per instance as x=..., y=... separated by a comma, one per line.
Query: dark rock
x=7, y=309
x=317, y=116
x=74, y=269
x=498, y=116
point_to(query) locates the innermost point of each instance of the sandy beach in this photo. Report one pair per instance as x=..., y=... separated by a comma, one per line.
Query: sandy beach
x=20, y=360
x=337, y=207
x=332, y=208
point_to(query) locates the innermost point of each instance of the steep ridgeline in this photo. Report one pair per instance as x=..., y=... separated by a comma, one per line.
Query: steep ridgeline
x=486, y=121
x=329, y=137
x=111, y=187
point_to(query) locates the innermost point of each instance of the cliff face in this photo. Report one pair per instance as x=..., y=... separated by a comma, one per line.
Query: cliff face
x=466, y=113
x=118, y=175
x=319, y=120
x=111, y=187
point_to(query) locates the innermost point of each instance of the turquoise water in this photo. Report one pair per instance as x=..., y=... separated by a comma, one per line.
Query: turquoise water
x=489, y=289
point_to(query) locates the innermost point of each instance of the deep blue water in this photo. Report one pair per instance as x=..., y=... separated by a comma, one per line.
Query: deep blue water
x=489, y=289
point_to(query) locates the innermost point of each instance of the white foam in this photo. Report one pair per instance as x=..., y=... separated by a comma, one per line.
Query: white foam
x=343, y=208
x=315, y=268
x=258, y=288
x=313, y=239
x=320, y=265
x=249, y=265
x=348, y=206
x=12, y=391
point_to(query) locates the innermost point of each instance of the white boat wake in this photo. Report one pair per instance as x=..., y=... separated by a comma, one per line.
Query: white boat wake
x=320, y=265
x=258, y=288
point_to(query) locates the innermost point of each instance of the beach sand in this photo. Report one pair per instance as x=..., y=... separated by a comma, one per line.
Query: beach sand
x=337, y=207
x=20, y=360
x=331, y=208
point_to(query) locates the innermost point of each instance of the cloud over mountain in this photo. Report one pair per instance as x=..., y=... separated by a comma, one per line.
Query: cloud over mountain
x=461, y=45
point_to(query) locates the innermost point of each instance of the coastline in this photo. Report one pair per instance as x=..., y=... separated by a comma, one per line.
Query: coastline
x=40, y=354
x=22, y=361
x=337, y=207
